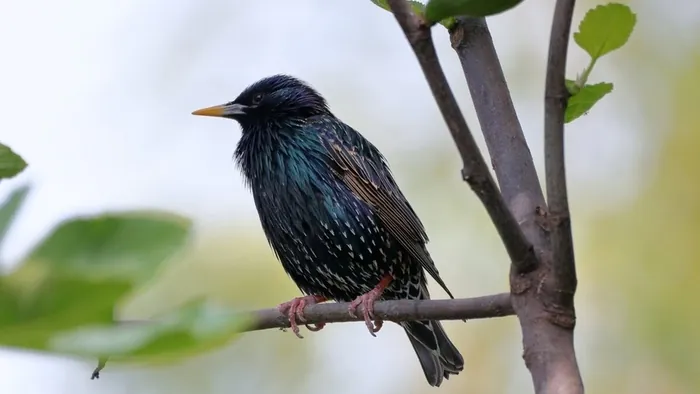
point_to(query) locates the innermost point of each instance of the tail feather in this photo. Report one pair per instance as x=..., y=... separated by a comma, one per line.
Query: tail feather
x=437, y=354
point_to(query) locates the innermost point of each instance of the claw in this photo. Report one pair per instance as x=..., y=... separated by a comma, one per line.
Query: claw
x=367, y=301
x=294, y=310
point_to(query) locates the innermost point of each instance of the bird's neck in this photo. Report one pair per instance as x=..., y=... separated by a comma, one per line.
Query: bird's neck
x=273, y=159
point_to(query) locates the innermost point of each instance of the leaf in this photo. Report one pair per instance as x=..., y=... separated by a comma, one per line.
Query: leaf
x=79, y=273
x=418, y=9
x=571, y=86
x=193, y=327
x=585, y=99
x=605, y=28
x=11, y=163
x=437, y=10
x=129, y=246
x=417, y=6
x=9, y=209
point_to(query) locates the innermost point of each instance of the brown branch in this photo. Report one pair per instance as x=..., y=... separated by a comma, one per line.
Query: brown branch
x=510, y=154
x=474, y=171
x=560, y=373
x=484, y=307
x=556, y=97
x=496, y=305
x=544, y=307
x=399, y=310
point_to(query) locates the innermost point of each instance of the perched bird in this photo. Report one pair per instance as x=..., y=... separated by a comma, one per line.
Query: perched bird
x=332, y=212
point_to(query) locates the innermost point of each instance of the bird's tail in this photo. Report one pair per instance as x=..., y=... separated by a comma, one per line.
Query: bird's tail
x=437, y=354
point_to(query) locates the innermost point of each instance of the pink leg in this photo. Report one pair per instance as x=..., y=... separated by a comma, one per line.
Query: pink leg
x=367, y=301
x=294, y=310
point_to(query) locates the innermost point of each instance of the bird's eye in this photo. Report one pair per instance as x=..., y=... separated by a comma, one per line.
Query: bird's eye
x=257, y=98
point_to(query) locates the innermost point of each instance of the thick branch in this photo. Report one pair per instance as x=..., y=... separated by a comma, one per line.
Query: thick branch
x=556, y=97
x=402, y=310
x=475, y=171
x=510, y=154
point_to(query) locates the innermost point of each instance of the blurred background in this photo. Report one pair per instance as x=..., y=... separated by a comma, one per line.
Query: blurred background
x=97, y=95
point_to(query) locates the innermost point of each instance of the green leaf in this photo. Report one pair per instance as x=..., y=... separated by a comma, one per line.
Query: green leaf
x=418, y=9
x=585, y=99
x=437, y=10
x=11, y=163
x=571, y=86
x=129, y=246
x=79, y=273
x=605, y=28
x=417, y=6
x=194, y=327
x=9, y=209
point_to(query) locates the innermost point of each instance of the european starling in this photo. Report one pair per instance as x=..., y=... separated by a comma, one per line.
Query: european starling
x=333, y=213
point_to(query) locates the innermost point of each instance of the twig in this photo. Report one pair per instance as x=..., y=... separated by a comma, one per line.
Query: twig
x=402, y=310
x=556, y=97
x=496, y=305
x=510, y=154
x=475, y=171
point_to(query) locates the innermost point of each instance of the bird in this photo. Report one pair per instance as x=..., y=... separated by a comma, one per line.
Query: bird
x=333, y=214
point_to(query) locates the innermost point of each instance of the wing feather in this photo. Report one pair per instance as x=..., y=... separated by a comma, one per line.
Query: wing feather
x=365, y=171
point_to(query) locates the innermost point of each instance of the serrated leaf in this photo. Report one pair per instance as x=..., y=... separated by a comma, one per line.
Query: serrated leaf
x=9, y=209
x=11, y=163
x=438, y=10
x=585, y=99
x=192, y=328
x=605, y=28
x=79, y=273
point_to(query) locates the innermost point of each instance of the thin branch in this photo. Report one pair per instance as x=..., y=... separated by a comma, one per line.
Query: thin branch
x=505, y=140
x=484, y=307
x=400, y=310
x=490, y=306
x=475, y=171
x=556, y=97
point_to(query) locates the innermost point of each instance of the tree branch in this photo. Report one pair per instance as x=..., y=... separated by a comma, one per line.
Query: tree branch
x=556, y=97
x=510, y=154
x=496, y=305
x=544, y=307
x=475, y=171
x=396, y=310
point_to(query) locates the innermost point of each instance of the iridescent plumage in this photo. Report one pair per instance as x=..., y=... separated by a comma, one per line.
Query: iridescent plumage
x=332, y=211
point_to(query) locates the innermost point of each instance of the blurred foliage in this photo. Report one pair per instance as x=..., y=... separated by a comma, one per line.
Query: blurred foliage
x=438, y=10
x=604, y=29
x=63, y=295
x=418, y=8
x=9, y=209
x=11, y=163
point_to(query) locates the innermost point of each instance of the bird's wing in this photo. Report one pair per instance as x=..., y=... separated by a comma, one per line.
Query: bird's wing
x=364, y=170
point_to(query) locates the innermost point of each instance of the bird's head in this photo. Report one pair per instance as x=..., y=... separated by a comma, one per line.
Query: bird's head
x=273, y=100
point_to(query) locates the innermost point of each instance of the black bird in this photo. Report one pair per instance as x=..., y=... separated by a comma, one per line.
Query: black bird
x=333, y=213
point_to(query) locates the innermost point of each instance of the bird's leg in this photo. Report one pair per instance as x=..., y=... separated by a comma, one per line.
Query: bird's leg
x=294, y=310
x=367, y=301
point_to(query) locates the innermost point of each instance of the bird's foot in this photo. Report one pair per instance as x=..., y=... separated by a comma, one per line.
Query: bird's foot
x=294, y=310
x=367, y=301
